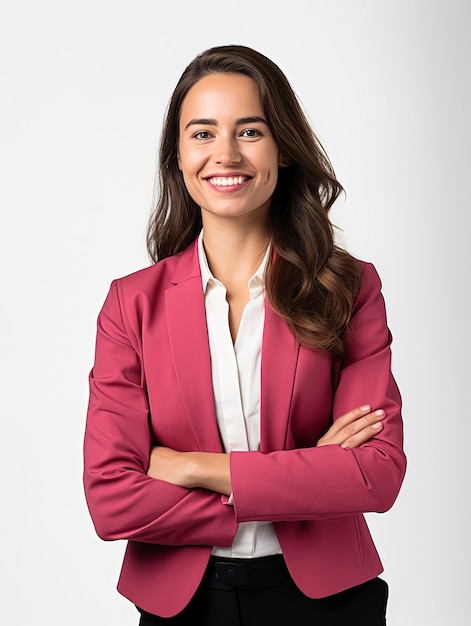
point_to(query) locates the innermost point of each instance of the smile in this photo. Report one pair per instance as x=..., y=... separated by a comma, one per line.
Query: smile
x=227, y=181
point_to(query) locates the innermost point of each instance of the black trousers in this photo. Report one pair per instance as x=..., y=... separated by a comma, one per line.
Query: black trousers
x=259, y=592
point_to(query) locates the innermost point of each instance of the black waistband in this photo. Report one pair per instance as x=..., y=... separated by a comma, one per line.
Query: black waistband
x=260, y=573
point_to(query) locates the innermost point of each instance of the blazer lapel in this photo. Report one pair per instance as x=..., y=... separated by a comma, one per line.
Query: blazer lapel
x=186, y=320
x=280, y=352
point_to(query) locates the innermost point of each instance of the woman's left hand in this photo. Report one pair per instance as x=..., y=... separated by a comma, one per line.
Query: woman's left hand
x=206, y=470
x=354, y=428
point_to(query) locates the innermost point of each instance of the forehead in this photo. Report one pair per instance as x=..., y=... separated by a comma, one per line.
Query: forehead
x=221, y=96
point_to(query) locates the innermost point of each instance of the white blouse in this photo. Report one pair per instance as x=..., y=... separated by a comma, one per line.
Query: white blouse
x=236, y=384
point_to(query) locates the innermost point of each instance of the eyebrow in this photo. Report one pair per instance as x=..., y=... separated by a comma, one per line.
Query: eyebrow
x=203, y=121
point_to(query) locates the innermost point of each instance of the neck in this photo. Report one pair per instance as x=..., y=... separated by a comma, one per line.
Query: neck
x=234, y=254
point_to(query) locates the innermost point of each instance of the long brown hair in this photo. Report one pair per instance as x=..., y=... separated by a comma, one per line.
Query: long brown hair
x=310, y=281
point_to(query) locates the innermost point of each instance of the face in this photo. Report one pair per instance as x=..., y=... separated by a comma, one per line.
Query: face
x=227, y=154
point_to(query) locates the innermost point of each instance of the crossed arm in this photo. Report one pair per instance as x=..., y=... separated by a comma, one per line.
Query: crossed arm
x=173, y=497
x=211, y=471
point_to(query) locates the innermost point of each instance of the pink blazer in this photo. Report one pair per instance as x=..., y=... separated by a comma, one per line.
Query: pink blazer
x=151, y=382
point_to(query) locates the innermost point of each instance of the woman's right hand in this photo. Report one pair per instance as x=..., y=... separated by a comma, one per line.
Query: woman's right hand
x=354, y=428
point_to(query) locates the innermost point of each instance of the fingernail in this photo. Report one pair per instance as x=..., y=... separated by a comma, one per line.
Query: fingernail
x=380, y=413
x=377, y=425
x=365, y=407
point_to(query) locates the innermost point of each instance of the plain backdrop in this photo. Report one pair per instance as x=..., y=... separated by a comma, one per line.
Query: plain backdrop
x=84, y=86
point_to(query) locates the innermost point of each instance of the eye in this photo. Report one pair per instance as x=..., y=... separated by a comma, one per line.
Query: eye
x=202, y=134
x=251, y=133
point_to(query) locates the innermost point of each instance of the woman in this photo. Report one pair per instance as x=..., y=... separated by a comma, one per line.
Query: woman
x=243, y=414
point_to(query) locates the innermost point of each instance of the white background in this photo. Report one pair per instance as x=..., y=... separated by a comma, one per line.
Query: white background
x=84, y=88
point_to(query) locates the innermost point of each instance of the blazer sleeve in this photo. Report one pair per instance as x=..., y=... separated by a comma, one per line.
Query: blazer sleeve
x=123, y=501
x=330, y=481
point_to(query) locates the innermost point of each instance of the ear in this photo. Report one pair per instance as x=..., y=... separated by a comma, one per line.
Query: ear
x=283, y=161
x=179, y=161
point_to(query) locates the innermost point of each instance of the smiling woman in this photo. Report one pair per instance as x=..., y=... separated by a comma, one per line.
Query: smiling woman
x=227, y=154
x=243, y=414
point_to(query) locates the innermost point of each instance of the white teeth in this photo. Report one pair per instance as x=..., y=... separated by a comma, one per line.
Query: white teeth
x=220, y=181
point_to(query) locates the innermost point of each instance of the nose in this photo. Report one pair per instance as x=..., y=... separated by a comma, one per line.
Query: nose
x=226, y=151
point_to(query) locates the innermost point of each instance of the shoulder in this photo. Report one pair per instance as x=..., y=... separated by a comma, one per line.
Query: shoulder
x=147, y=278
x=368, y=330
x=370, y=282
x=132, y=295
x=161, y=275
x=370, y=276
